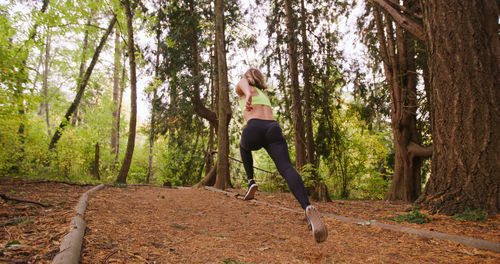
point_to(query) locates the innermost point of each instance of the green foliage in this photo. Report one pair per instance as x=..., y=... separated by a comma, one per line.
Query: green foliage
x=308, y=175
x=471, y=215
x=355, y=162
x=178, y=157
x=415, y=216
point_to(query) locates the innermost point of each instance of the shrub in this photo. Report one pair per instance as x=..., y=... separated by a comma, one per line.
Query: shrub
x=471, y=215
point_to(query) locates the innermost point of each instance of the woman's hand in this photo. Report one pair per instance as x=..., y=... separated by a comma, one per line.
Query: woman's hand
x=248, y=105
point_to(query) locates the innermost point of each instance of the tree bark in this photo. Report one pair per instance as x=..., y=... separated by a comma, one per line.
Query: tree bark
x=463, y=49
x=116, y=93
x=122, y=176
x=298, y=123
x=81, y=87
x=224, y=111
x=306, y=64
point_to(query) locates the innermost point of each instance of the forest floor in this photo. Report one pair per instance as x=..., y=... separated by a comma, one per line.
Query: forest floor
x=146, y=224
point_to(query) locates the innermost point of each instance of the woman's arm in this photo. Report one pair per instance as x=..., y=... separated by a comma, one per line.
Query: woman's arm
x=243, y=90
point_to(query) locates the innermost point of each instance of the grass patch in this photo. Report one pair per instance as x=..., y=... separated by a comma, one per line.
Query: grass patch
x=471, y=215
x=415, y=216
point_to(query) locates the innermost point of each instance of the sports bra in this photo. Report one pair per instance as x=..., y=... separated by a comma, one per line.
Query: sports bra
x=259, y=99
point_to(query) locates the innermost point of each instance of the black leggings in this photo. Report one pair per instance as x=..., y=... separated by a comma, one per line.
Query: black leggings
x=267, y=134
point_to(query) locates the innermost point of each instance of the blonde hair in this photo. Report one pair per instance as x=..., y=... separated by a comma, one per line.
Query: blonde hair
x=255, y=78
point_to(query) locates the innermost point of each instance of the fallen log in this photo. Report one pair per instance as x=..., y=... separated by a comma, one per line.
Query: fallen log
x=71, y=246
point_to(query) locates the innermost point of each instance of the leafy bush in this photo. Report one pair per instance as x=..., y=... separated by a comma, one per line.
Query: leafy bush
x=471, y=215
x=415, y=216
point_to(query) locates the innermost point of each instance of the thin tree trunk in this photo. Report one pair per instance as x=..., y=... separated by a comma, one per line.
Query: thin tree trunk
x=122, y=176
x=306, y=64
x=320, y=191
x=116, y=93
x=298, y=123
x=153, y=112
x=118, y=117
x=198, y=105
x=46, y=83
x=76, y=116
x=18, y=93
x=224, y=111
x=95, y=167
x=81, y=88
x=213, y=92
x=463, y=50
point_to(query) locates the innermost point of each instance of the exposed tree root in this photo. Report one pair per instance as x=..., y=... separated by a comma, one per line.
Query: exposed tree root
x=6, y=198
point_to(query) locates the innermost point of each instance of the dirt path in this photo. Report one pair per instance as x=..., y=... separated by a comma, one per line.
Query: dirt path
x=158, y=225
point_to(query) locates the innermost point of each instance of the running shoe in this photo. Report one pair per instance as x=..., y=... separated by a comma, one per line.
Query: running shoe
x=319, y=230
x=252, y=188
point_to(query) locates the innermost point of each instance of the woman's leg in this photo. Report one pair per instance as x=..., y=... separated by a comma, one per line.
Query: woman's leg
x=246, y=157
x=279, y=153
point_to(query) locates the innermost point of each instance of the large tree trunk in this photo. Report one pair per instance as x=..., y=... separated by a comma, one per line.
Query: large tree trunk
x=122, y=176
x=116, y=94
x=298, y=123
x=463, y=48
x=224, y=110
x=397, y=51
x=81, y=87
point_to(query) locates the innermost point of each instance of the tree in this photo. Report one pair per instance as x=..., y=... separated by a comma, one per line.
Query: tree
x=154, y=106
x=224, y=110
x=320, y=189
x=45, y=103
x=463, y=49
x=398, y=57
x=298, y=123
x=127, y=160
x=116, y=93
x=306, y=66
x=81, y=87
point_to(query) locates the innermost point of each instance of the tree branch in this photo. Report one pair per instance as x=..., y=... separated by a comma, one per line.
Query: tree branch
x=416, y=150
x=404, y=21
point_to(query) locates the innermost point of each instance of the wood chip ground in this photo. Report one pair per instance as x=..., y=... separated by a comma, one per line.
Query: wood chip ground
x=142, y=224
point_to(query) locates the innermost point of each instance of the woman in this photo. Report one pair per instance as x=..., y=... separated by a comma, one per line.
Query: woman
x=262, y=131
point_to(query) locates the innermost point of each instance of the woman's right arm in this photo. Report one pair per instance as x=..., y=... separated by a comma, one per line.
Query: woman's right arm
x=243, y=90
